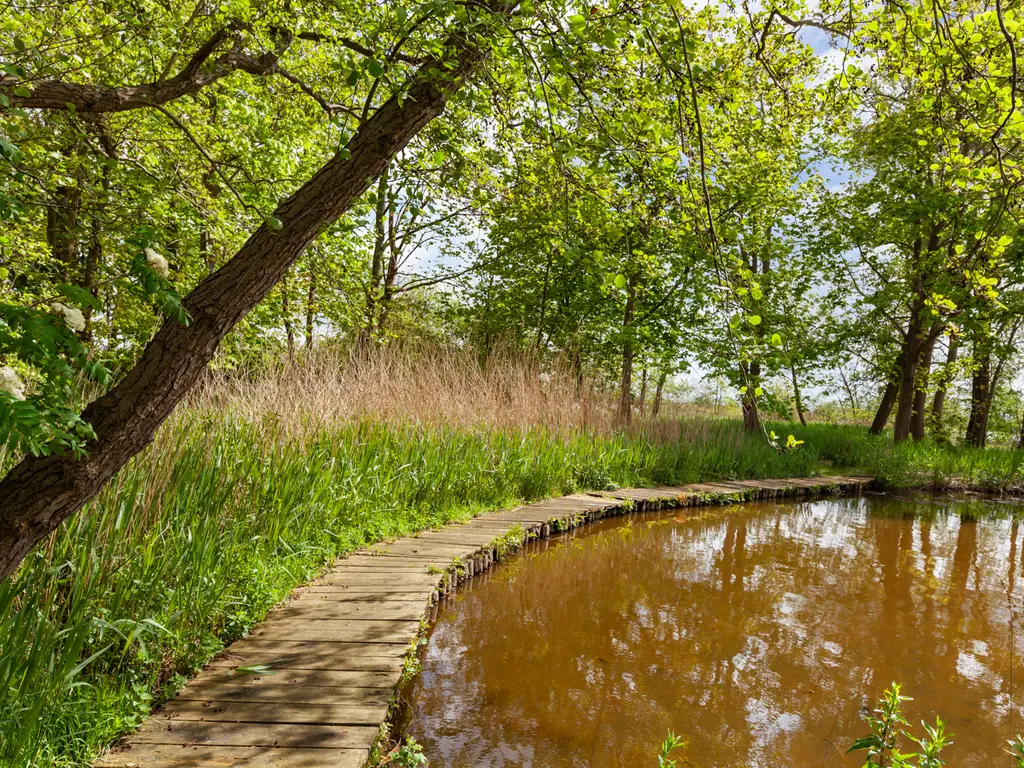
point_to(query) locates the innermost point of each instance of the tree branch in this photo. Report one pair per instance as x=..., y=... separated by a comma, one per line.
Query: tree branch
x=95, y=99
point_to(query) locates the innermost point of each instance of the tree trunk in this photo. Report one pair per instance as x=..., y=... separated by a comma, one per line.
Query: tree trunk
x=656, y=407
x=62, y=229
x=643, y=392
x=310, y=309
x=390, y=274
x=796, y=397
x=625, y=414
x=377, y=263
x=42, y=491
x=93, y=260
x=206, y=252
x=289, y=330
x=751, y=415
x=541, y=311
x=921, y=390
x=942, y=387
x=1020, y=437
x=981, y=399
x=910, y=358
x=985, y=383
x=892, y=390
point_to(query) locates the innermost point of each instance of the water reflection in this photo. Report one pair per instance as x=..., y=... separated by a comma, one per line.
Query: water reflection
x=759, y=635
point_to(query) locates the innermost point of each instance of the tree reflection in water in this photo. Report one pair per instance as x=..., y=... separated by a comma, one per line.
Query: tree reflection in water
x=758, y=634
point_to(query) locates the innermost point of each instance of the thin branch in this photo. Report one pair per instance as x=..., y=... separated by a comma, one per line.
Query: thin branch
x=202, y=150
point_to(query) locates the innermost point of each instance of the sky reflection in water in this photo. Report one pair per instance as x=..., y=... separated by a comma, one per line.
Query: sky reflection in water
x=758, y=634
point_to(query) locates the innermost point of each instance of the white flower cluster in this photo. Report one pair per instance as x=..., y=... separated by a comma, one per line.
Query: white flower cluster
x=157, y=263
x=11, y=384
x=72, y=316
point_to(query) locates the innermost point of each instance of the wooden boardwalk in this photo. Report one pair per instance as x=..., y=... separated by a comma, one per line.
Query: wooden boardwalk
x=311, y=685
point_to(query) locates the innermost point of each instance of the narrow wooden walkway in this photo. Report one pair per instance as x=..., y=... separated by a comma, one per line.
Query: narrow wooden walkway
x=310, y=686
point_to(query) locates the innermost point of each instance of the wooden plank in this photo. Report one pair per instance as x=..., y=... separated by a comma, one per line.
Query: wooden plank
x=357, y=578
x=162, y=731
x=207, y=682
x=257, y=712
x=190, y=756
x=392, y=609
x=288, y=694
x=290, y=655
x=370, y=631
x=351, y=595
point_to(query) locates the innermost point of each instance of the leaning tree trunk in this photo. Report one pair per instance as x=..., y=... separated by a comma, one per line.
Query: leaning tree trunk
x=917, y=420
x=658, y=393
x=892, y=390
x=42, y=491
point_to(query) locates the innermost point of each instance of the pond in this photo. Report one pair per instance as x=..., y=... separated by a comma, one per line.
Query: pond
x=759, y=633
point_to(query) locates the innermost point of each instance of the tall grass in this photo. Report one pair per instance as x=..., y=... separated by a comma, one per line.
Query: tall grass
x=917, y=465
x=260, y=481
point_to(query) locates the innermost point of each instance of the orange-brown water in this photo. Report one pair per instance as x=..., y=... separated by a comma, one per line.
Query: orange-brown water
x=759, y=634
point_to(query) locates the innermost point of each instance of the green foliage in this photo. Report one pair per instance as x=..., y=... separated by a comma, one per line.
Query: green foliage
x=888, y=729
x=668, y=746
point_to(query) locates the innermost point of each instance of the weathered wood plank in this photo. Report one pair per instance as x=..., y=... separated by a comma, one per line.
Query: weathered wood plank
x=207, y=682
x=190, y=756
x=369, y=631
x=257, y=712
x=410, y=610
x=163, y=731
x=288, y=694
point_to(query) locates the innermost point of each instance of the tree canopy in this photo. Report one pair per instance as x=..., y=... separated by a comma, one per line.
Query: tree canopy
x=796, y=198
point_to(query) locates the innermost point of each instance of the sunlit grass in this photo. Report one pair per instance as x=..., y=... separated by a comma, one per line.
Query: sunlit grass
x=917, y=465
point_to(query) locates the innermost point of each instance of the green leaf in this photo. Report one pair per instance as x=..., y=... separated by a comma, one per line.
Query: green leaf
x=754, y=319
x=375, y=68
x=620, y=281
x=275, y=224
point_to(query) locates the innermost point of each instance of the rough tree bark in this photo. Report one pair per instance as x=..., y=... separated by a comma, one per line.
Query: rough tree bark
x=892, y=391
x=981, y=398
x=909, y=359
x=42, y=491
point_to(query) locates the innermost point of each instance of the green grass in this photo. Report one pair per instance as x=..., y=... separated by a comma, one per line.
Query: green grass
x=917, y=465
x=195, y=540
